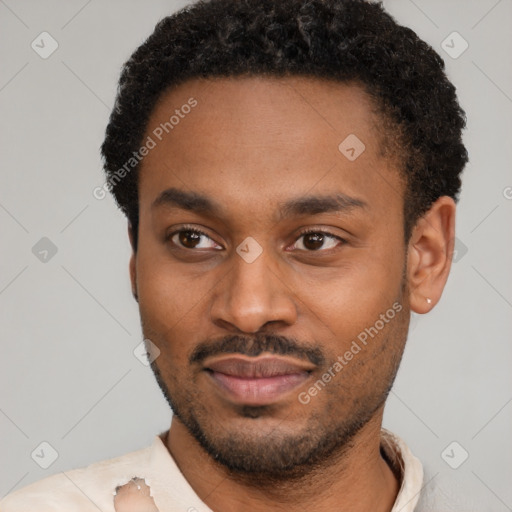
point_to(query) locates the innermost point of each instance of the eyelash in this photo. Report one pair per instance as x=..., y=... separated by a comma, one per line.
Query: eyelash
x=188, y=229
x=308, y=231
x=302, y=233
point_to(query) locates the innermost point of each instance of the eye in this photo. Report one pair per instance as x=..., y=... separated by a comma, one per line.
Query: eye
x=315, y=239
x=192, y=238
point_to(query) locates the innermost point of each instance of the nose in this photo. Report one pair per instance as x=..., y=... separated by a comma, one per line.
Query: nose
x=252, y=295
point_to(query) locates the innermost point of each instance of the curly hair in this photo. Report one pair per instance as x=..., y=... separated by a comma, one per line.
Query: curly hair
x=342, y=40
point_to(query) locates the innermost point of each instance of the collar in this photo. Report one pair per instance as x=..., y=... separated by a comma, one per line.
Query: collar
x=406, y=467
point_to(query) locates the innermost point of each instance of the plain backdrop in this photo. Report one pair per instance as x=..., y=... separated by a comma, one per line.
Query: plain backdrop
x=68, y=373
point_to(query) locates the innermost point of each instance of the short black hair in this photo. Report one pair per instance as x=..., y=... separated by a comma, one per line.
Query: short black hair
x=343, y=40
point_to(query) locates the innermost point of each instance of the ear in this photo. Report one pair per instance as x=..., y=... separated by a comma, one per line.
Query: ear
x=132, y=265
x=429, y=256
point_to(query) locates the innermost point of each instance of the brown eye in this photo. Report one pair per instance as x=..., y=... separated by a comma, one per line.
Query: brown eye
x=313, y=241
x=189, y=239
x=192, y=239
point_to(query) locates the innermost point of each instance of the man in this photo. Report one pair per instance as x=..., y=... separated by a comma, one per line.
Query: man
x=289, y=172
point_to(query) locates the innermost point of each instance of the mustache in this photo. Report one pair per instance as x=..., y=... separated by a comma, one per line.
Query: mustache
x=256, y=345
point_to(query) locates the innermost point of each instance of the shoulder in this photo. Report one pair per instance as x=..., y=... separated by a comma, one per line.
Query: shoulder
x=443, y=491
x=83, y=489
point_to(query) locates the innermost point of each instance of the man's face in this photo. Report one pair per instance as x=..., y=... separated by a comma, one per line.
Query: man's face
x=258, y=151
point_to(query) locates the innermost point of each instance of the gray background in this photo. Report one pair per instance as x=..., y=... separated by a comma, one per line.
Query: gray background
x=69, y=324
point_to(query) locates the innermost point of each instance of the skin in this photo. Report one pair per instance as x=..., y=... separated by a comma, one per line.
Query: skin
x=250, y=145
x=134, y=496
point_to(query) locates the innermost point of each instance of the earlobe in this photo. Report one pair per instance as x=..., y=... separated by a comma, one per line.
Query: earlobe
x=132, y=265
x=430, y=254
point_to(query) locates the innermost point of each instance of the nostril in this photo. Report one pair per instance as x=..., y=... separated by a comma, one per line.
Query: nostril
x=134, y=496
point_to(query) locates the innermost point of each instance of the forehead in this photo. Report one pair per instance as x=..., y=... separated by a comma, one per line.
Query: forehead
x=244, y=139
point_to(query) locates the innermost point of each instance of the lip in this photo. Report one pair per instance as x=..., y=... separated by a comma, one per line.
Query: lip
x=257, y=381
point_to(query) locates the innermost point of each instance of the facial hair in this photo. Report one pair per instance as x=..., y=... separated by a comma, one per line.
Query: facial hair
x=285, y=455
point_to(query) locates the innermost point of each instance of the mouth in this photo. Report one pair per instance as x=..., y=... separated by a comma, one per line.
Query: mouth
x=257, y=381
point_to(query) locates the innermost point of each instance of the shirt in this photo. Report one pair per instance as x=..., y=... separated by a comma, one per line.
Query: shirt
x=92, y=488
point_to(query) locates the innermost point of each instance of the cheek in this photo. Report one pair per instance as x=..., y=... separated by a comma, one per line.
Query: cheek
x=172, y=308
x=165, y=295
x=352, y=297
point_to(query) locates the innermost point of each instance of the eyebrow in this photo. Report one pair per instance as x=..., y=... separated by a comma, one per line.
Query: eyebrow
x=314, y=205
x=193, y=201
x=307, y=205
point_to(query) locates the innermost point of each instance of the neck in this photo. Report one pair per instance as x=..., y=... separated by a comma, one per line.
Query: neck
x=357, y=481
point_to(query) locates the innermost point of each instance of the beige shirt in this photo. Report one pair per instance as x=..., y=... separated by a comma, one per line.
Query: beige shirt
x=92, y=488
